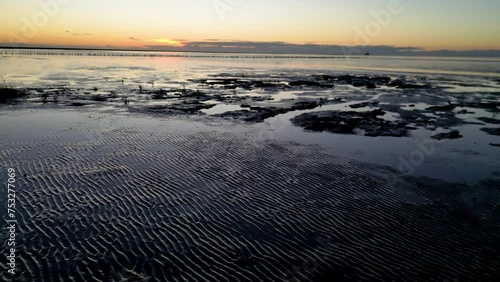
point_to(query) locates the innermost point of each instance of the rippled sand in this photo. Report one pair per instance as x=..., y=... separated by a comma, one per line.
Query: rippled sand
x=149, y=198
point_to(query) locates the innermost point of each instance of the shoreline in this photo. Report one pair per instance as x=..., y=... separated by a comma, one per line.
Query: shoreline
x=277, y=55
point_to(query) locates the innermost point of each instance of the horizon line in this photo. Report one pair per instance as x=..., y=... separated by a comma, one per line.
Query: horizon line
x=415, y=53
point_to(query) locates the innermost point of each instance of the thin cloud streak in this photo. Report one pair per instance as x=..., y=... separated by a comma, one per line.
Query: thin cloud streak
x=279, y=47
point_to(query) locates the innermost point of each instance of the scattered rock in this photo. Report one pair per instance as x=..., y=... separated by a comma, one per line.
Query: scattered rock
x=348, y=122
x=489, y=106
x=358, y=83
x=98, y=98
x=160, y=94
x=190, y=106
x=364, y=81
x=264, y=84
x=396, y=83
x=463, y=112
x=370, y=85
x=317, y=81
x=444, y=108
x=77, y=104
x=403, y=85
x=255, y=114
x=489, y=120
x=304, y=105
x=381, y=79
x=409, y=127
x=367, y=84
x=324, y=77
x=11, y=93
x=221, y=81
x=304, y=83
x=364, y=104
x=455, y=134
x=393, y=131
x=345, y=78
x=259, y=114
x=260, y=98
x=491, y=131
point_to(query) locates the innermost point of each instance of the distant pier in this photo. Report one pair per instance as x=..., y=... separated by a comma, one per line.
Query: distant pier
x=100, y=53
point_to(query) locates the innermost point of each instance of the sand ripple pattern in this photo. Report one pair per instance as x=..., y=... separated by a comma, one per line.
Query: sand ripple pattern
x=212, y=206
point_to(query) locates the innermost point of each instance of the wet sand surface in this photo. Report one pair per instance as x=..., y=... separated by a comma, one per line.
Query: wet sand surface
x=138, y=196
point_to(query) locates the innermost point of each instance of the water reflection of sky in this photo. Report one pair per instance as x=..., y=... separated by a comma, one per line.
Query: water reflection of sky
x=467, y=159
x=92, y=71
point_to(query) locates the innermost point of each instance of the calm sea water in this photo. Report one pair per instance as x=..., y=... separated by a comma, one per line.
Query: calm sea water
x=72, y=69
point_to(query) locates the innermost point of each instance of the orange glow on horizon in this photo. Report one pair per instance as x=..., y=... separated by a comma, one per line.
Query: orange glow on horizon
x=170, y=42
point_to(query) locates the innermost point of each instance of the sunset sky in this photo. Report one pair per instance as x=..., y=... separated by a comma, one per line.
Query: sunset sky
x=427, y=24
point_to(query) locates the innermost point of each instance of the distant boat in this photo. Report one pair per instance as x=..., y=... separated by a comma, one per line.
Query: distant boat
x=367, y=54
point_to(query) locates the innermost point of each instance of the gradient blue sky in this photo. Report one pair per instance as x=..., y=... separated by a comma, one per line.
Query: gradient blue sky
x=445, y=24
